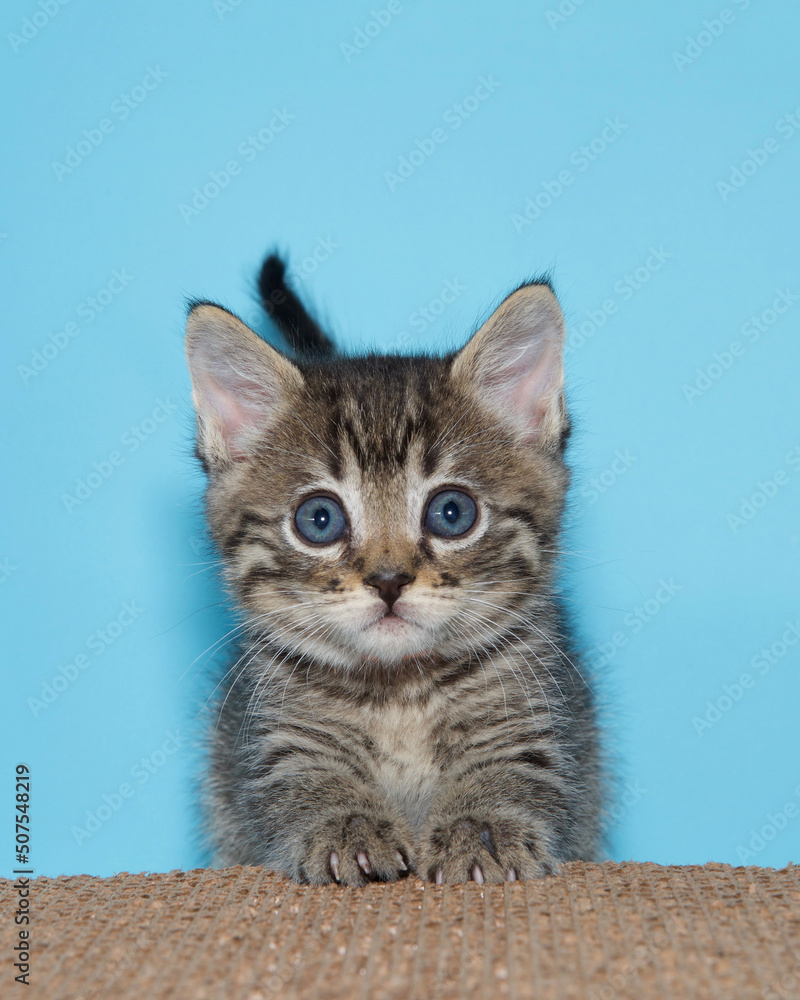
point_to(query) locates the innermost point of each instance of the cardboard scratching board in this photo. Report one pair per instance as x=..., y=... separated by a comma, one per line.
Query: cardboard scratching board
x=605, y=931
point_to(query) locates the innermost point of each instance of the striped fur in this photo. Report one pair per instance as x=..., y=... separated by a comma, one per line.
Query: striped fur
x=460, y=742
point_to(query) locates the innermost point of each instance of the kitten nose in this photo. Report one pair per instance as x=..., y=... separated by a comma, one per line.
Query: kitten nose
x=388, y=586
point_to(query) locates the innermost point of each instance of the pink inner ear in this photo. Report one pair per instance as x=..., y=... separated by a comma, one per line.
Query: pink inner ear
x=514, y=363
x=233, y=414
x=530, y=391
x=542, y=383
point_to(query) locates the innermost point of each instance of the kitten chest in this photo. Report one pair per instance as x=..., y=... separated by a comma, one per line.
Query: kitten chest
x=404, y=762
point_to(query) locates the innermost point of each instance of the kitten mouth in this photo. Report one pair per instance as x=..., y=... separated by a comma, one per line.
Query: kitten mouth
x=391, y=622
x=392, y=639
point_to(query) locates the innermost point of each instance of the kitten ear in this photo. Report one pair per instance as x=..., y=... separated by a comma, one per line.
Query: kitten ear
x=514, y=365
x=239, y=383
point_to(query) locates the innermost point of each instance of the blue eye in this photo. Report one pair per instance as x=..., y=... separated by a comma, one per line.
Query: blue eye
x=320, y=520
x=450, y=514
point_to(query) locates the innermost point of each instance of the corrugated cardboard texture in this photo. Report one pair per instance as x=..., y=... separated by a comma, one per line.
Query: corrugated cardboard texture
x=605, y=931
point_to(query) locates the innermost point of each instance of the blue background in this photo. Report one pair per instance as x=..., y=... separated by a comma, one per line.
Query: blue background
x=658, y=269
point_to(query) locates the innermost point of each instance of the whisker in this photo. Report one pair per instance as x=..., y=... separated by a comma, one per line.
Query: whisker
x=529, y=624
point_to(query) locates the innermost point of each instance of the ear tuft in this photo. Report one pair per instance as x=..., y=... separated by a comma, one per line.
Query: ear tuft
x=239, y=383
x=514, y=365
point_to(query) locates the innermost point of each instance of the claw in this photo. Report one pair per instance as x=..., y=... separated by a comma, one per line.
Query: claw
x=477, y=874
x=511, y=875
x=439, y=876
x=363, y=862
x=333, y=861
x=401, y=864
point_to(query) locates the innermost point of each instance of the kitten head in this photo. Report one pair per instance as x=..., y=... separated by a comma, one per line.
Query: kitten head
x=383, y=510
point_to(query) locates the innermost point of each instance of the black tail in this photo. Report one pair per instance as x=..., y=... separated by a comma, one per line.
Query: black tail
x=304, y=334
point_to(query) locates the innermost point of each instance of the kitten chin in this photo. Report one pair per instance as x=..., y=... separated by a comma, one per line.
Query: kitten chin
x=393, y=639
x=407, y=695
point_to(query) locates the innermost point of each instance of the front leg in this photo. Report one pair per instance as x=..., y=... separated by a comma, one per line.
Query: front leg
x=352, y=844
x=325, y=826
x=498, y=824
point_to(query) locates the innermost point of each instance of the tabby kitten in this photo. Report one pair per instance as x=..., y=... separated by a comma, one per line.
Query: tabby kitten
x=406, y=695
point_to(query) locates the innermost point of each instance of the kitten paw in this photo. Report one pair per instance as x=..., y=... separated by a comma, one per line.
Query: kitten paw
x=497, y=850
x=354, y=850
